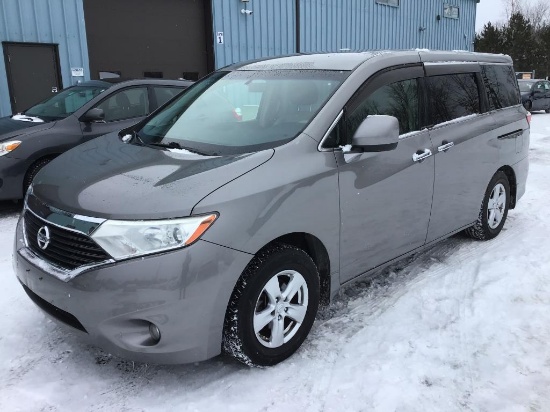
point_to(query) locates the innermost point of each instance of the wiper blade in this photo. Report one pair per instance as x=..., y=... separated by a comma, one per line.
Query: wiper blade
x=26, y=118
x=169, y=145
x=176, y=145
x=135, y=136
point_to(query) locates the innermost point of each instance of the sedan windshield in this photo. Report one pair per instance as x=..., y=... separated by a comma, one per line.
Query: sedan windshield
x=525, y=86
x=242, y=111
x=64, y=103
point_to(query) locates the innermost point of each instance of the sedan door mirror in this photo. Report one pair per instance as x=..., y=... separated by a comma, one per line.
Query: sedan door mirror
x=378, y=133
x=93, y=115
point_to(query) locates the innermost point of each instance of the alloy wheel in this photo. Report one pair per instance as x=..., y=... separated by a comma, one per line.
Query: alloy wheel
x=280, y=308
x=496, y=206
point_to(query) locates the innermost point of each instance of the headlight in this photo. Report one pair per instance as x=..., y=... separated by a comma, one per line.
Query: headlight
x=124, y=239
x=10, y=146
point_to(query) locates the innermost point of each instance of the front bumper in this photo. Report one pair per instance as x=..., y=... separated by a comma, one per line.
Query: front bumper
x=184, y=293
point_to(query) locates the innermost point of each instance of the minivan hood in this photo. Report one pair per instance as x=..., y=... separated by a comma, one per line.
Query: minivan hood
x=10, y=127
x=106, y=178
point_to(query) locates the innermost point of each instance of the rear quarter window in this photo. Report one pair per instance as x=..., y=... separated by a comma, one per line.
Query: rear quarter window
x=452, y=96
x=501, y=86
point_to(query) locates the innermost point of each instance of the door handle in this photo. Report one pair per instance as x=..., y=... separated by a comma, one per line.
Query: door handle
x=445, y=146
x=421, y=155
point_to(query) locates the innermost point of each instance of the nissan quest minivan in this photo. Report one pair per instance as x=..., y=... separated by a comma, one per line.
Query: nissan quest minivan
x=222, y=221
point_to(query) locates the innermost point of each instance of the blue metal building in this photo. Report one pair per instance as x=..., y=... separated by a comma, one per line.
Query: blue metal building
x=236, y=30
x=287, y=26
x=59, y=22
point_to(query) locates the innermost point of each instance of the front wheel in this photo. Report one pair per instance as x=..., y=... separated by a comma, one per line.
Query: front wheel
x=547, y=110
x=494, y=209
x=273, y=306
x=528, y=105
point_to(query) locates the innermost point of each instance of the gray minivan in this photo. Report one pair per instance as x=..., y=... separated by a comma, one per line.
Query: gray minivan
x=222, y=221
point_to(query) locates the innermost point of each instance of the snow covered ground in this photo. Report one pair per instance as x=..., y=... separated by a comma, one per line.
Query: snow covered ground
x=464, y=326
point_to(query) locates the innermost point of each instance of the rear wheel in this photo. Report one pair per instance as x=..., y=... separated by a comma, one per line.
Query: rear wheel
x=494, y=209
x=547, y=110
x=33, y=170
x=272, y=307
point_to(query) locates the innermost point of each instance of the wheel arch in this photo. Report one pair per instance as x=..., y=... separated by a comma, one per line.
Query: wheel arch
x=318, y=253
x=511, y=175
x=48, y=157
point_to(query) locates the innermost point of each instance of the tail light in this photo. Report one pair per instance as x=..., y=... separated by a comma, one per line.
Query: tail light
x=528, y=117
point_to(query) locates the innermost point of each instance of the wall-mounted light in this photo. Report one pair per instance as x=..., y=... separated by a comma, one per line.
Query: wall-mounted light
x=245, y=11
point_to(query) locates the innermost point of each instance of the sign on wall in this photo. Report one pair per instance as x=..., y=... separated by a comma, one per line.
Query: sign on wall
x=77, y=71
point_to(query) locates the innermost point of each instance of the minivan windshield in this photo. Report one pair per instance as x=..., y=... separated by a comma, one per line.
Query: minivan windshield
x=525, y=86
x=64, y=103
x=242, y=111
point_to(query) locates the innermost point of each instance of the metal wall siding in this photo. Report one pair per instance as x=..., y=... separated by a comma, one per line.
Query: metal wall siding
x=45, y=21
x=269, y=31
x=332, y=25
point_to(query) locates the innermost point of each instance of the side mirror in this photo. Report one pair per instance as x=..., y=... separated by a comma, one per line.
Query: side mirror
x=378, y=133
x=93, y=115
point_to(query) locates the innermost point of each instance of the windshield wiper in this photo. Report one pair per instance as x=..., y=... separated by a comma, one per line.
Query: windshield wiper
x=169, y=145
x=28, y=118
x=176, y=145
x=135, y=136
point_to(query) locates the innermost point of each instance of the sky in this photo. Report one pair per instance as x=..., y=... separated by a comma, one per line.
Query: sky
x=491, y=11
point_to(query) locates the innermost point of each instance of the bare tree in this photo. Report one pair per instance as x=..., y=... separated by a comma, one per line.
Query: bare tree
x=511, y=7
x=538, y=13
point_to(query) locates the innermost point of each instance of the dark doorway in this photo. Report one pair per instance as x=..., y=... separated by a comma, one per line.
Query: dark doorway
x=33, y=73
x=140, y=37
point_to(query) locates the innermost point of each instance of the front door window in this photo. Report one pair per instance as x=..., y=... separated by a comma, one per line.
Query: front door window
x=126, y=104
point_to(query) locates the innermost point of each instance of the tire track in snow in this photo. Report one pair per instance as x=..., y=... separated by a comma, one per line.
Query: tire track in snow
x=352, y=315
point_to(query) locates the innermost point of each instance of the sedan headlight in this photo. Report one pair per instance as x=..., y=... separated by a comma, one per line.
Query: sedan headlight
x=6, y=147
x=123, y=239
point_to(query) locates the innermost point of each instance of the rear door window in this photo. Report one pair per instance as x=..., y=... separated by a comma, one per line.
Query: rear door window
x=163, y=94
x=501, y=86
x=452, y=96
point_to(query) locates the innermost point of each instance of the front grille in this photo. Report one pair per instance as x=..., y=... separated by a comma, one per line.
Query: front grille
x=66, y=248
x=54, y=311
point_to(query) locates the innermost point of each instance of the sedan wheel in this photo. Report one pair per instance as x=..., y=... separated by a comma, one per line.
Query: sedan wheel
x=273, y=306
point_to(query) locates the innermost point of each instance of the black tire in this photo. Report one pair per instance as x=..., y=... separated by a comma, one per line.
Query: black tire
x=33, y=170
x=528, y=105
x=547, y=110
x=482, y=229
x=239, y=338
